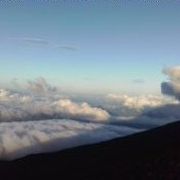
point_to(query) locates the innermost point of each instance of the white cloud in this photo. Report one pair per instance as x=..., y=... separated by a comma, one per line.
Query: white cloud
x=133, y=106
x=4, y=95
x=140, y=102
x=81, y=111
x=18, y=139
x=144, y=111
x=44, y=102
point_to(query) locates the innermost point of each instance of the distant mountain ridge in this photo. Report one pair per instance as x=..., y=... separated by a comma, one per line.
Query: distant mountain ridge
x=154, y=154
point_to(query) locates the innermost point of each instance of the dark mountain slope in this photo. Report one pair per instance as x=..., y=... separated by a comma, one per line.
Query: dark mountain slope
x=153, y=154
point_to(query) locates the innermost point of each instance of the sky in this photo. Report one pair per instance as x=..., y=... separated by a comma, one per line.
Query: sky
x=76, y=72
x=89, y=46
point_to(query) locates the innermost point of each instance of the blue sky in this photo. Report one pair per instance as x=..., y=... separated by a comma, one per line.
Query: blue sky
x=90, y=46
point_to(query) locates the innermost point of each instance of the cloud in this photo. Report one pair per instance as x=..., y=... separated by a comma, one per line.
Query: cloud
x=137, y=102
x=18, y=139
x=158, y=116
x=172, y=86
x=40, y=86
x=143, y=111
x=21, y=138
x=81, y=111
x=69, y=48
x=43, y=101
x=43, y=42
x=31, y=40
x=129, y=106
x=35, y=41
x=4, y=94
x=38, y=118
x=169, y=111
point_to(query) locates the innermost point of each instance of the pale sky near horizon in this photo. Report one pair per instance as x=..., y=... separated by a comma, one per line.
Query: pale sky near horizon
x=90, y=46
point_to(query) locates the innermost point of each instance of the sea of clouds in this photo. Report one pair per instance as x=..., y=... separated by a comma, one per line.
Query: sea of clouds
x=38, y=118
x=19, y=139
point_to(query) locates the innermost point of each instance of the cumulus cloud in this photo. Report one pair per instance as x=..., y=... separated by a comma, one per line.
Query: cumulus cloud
x=81, y=111
x=143, y=111
x=42, y=102
x=139, y=102
x=131, y=106
x=18, y=139
x=172, y=86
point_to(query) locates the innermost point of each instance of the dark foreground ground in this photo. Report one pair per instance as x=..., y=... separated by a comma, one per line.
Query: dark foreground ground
x=154, y=154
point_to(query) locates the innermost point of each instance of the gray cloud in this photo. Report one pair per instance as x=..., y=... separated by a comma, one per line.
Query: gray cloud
x=69, y=48
x=43, y=42
x=168, y=89
x=159, y=116
x=172, y=86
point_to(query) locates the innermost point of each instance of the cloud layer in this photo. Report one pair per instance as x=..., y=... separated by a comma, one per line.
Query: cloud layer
x=39, y=118
x=18, y=139
x=20, y=107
